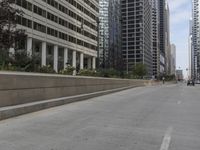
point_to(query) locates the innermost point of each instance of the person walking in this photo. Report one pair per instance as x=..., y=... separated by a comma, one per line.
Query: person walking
x=163, y=79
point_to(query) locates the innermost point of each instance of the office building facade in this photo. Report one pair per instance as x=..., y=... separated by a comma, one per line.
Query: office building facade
x=137, y=34
x=167, y=40
x=162, y=35
x=115, y=53
x=195, y=65
x=173, y=60
x=190, y=52
x=104, y=35
x=61, y=32
x=109, y=34
x=155, y=39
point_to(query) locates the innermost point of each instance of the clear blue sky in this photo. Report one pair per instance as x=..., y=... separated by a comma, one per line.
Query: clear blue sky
x=180, y=13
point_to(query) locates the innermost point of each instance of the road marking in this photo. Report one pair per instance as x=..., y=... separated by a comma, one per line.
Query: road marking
x=167, y=139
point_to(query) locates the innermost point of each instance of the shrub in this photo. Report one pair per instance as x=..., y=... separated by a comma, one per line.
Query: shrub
x=22, y=61
x=46, y=69
x=87, y=72
x=68, y=71
x=109, y=73
x=139, y=70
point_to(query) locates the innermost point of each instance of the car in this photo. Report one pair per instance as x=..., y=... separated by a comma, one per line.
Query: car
x=190, y=82
x=198, y=82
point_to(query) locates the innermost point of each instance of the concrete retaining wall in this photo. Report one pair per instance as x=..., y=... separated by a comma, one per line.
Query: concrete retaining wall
x=21, y=88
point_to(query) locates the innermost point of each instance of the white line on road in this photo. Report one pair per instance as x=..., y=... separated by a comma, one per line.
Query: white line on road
x=167, y=139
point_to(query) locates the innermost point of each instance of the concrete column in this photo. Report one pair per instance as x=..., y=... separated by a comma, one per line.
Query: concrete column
x=55, y=58
x=65, y=57
x=74, y=61
x=81, y=61
x=93, y=62
x=89, y=63
x=29, y=46
x=44, y=53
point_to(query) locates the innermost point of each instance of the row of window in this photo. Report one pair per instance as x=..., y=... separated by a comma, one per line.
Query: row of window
x=39, y=27
x=27, y=5
x=77, y=5
x=62, y=22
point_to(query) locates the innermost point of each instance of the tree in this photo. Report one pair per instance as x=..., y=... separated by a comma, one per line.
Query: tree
x=139, y=70
x=9, y=34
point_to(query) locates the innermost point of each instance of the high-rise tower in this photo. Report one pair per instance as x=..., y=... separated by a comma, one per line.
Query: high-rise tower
x=137, y=34
x=195, y=68
x=155, y=38
x=162, y=35
x=109, y=34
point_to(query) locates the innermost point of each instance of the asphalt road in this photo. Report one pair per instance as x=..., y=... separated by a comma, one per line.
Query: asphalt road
x=148, y=118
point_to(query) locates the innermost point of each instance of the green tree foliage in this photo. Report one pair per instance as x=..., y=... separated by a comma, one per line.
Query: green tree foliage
x=10, y=36
x=46, y=69
x=87, y=72
x=68, y=70
x=139, y=70
x=108, y=73
x=21, y=61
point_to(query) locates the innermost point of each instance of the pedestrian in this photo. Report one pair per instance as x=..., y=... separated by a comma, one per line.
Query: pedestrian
x=163, y=79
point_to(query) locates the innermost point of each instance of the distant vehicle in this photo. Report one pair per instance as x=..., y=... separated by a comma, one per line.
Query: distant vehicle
x=190, y=82
x=198, y=82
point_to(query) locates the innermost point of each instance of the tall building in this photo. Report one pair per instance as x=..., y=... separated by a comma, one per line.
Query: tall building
x=103, y=33
x=115, y=52
x=167, y=40
x=162, y=35
x=195, y=39
x=173, y=60
x=190, y=52
x=155, y=39
x=109, y=34
x=137, y=34
x=61, y=32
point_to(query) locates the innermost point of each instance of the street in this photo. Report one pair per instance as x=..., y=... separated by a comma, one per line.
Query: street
x=164, y=117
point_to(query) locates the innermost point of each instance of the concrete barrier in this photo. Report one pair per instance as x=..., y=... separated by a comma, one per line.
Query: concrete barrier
x=21, y=88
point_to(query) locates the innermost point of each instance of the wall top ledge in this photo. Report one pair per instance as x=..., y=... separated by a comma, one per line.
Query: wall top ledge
x=58, y=75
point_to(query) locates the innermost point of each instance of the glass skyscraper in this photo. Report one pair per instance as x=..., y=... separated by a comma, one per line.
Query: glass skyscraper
x=109, y=34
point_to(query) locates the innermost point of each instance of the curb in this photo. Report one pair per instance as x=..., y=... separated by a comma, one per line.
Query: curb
x=13, y=111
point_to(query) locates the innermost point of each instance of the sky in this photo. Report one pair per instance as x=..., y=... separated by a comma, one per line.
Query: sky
x=180, y=13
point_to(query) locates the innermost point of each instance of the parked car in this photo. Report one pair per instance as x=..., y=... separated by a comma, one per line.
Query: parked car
x=190, y=82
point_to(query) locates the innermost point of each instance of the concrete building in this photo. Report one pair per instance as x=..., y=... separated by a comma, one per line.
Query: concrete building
x=167, y=40
x=137, y=34
x=173, y=60
x=61, y=32
x=109, y=34
x=155, y=38
x=162, y=35
x=191, y=53
x=195, y=39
